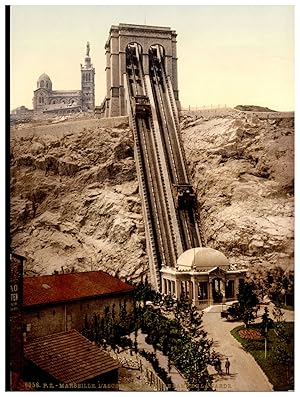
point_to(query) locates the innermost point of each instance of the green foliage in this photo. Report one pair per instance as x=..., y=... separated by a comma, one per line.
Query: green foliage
x=161, y=372
x=144, y=292
x=234, y=311
x=110, y=330
x=247, y=300
x=189, y=356
x=279, y=363
x=276, y=283
x=266, y=323
x=182, y=339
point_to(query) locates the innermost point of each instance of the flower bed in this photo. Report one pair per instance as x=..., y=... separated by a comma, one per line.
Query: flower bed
x=248, y=333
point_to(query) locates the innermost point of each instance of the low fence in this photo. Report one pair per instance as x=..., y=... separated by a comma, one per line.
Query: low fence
x=151, y=376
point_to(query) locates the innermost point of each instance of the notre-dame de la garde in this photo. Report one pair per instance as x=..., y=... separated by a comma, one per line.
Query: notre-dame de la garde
x=46, y=100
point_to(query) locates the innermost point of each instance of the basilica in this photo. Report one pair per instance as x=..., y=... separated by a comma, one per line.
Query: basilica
x=46, y=100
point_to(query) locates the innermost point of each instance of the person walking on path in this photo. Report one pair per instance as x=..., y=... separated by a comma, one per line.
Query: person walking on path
x=227, y=365
x=218, y=367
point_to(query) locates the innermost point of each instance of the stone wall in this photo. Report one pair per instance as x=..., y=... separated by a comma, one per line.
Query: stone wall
x=41, y=321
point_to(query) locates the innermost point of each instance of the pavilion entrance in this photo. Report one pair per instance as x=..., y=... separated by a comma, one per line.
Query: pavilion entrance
x=218, y=292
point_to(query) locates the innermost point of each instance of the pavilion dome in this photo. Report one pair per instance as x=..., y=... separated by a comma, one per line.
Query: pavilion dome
x=202, y=259
x=44, y=81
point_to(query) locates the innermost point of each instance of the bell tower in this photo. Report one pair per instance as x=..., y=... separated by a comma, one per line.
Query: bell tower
x=88, y=82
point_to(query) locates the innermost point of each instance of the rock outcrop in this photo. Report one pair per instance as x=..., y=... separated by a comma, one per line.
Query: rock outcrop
x=242, y=171
x=75, y=204
x=74, y=199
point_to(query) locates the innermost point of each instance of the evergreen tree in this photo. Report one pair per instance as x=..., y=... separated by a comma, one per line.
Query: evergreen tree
x=247, y=300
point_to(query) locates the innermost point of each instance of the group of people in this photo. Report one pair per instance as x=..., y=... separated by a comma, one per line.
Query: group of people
x=218, y=366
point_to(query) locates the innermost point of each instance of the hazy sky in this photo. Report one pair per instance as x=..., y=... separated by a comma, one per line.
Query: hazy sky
x=226, y=54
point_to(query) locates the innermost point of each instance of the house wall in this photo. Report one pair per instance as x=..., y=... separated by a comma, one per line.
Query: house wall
x=46, y=320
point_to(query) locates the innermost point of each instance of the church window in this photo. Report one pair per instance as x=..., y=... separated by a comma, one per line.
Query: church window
x=47, y=84
x=42, y=83
x=40, y=100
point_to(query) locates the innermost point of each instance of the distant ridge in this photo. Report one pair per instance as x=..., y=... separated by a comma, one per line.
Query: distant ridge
x=253, y=108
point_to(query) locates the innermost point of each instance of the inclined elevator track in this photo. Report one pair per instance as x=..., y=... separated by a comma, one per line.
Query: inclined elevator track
x=169, y=204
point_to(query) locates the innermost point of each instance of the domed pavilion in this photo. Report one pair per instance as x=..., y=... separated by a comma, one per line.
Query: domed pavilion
x=203, y=275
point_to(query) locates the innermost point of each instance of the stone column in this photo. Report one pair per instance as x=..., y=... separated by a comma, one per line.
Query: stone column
x=191, y=291
x=222, y=290
x=115, y=82
x=173, y=287
x=177, y=288
x=195, y=289
x=145, y=61
x=122, y=70
x=210, y=292
x=169, y=287
x=236, y=287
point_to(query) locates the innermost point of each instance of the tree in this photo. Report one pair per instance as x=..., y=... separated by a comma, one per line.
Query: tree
x=265, y=325
x=247, y=300
x=276, y=283
x=283, y=350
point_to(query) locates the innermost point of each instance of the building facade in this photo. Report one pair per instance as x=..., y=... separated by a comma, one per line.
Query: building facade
x=204, y=276
x=45, y=99
x=62, y=302
x=120, y=39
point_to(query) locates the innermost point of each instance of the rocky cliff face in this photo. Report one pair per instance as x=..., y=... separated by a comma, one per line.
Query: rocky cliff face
x=75, y=202
x=74, y=199
x=242, y=169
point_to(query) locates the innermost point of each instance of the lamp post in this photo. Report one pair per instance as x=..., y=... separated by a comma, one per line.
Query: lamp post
x=266, y=334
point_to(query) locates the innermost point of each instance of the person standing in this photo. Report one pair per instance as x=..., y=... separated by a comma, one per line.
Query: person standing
x=227, y=365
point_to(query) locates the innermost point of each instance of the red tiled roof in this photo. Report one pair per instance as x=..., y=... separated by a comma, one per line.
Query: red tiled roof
x=71, y=286
x=69, y=357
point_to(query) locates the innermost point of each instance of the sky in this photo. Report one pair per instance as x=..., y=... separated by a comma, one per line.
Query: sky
x=227, y=55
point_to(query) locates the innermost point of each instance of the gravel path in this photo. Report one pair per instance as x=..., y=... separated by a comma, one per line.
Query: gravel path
x=177, y=379
x=245, y=373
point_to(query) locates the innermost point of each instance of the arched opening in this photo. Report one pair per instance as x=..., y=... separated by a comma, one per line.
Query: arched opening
x=134, y=52
x=134, y=65
x=156, y=59
x=42, y=83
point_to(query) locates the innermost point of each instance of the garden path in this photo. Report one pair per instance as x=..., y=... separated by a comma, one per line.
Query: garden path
x=177, y=379
x=245, y=374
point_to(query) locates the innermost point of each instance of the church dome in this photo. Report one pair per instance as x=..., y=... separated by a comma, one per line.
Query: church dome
x=202, y=259
x=44, y=81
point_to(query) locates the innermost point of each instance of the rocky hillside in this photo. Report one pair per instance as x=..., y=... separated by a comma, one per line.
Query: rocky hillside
x=242, y=169
x=75, y=203
x=74, y=199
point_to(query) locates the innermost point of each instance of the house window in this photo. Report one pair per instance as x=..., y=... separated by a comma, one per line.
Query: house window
x=28, y=327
